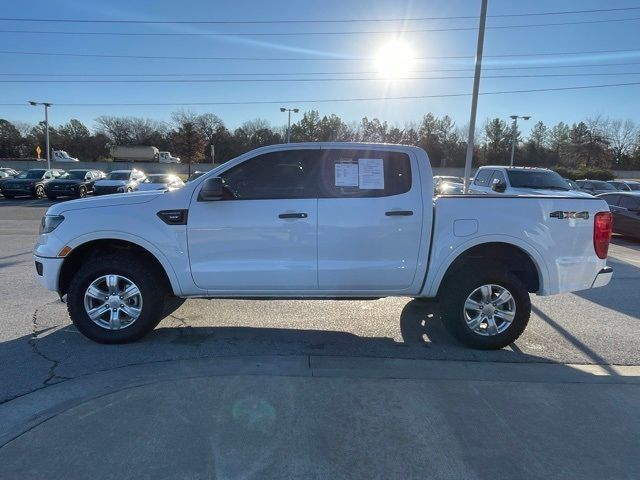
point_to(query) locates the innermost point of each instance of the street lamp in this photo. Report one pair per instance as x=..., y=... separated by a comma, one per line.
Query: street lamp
x=515, y=133
x=46, y=124
x=294, y=110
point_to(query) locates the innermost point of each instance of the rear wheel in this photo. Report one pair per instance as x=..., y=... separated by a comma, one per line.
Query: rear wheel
x=115, y=299
x=488, y=308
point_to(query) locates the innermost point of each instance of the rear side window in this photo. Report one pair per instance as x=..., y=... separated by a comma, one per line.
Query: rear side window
x=274, y=175
x=482, y=178
x=611, y=199
x=363, y=173
x=629, y=202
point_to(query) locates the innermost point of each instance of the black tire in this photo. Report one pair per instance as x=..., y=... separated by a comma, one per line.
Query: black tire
x=461, y=284
x=38, y=193
x=82, y=192
x=51, y=197
x=129, y=190
x=143, y=275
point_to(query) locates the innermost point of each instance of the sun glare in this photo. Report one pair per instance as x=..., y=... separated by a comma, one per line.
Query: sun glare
x=395, y=59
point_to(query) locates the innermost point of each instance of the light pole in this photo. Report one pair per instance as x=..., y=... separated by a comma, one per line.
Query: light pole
x=515, y=134
x=294, y=110
x=474, y=94
x=46, y=125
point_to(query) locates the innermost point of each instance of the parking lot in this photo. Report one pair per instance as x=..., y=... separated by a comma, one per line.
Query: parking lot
x=44, y=357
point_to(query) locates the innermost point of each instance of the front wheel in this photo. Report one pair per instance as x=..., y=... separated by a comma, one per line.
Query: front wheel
x=39, y=192
x=487, y=309
x=115, y=299
x=82, y=192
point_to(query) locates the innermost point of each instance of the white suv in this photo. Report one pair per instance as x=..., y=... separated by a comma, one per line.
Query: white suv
x=521, y=181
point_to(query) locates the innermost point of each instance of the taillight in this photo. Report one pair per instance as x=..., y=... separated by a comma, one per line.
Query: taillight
x=602, y=228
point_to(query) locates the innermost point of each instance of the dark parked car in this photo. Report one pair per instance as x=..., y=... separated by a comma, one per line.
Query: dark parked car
x=4, y=176
x=626, y=185
x=30, y=183
x=74, y=183
x=594, y=187
x=625, y=207
x=572, y=184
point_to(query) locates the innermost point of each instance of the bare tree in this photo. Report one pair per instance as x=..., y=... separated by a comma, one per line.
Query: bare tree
x=621, y=136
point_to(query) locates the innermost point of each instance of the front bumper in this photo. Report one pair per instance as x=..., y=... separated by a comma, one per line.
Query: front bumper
x=603, y=277
x=48, y=271
x=19, y=191
x=61, y=191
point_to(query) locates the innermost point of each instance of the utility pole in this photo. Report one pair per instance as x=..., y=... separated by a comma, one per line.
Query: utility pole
x=46, y=125
x=294, y=110
x=515, y=134
x=474, y=96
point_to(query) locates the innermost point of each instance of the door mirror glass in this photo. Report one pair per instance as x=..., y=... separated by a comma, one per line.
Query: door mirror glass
x=212, y=190
x=498, y=185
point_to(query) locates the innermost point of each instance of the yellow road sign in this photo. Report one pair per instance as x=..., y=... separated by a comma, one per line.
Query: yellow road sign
x=38, y=150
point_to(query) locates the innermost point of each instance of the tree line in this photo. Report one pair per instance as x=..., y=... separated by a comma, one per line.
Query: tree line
x=593, y=143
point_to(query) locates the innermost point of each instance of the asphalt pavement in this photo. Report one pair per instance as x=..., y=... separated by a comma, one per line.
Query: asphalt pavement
x=384, y=362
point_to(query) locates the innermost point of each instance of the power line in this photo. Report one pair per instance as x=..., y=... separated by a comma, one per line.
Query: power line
x=314, y=80
x=181, y=57
x=282, y=74
x=306, y=34
x=333, y=100
x=351, y=20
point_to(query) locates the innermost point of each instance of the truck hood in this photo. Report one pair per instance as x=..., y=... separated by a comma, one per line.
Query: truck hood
x=553, y=193
x=65, y=182
x=115, y=200
x=21, y=182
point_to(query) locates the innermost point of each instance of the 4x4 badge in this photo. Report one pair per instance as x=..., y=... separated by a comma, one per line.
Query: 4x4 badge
x=562, y=215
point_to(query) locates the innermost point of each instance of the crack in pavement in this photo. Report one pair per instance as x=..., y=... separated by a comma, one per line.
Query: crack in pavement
x=33, y=342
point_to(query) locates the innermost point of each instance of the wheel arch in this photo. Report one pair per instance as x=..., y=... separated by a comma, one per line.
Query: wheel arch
x=84, y=248
x=517, y=257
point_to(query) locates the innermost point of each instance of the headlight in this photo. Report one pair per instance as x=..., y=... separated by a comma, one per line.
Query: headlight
x=50, y=223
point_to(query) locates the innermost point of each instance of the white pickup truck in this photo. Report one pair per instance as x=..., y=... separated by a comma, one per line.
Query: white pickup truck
x=320, y=220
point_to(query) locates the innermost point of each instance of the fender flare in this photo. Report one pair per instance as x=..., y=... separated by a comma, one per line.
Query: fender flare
x=432, y=284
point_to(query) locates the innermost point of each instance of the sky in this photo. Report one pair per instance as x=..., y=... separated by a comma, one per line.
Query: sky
x=311, y=57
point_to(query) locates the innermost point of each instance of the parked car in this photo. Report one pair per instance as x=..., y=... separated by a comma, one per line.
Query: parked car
x=160, y=181
x=74, y=183
x=62, y=156
x=440, y=179
x=118, y=181
x=10, y=171
x=321, y=220
x=194, y=175
x=625, y=185
x=572, y=184
x=594, y=187
x=30, y=183
x=625, y=207
x=447, y=188
x=521, y=181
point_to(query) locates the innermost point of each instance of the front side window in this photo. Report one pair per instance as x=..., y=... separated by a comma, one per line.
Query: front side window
x=363, y=173
x=498, y=175
x=285, y=174
x=482, y=178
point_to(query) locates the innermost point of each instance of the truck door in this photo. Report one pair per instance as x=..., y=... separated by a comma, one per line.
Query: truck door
x=370, y=219
x=261, y=236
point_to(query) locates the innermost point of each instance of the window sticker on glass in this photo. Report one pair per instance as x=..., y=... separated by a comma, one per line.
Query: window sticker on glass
x=346, y=174
x=371, y=173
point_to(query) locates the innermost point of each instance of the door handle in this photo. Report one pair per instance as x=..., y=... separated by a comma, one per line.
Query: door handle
x=399, y=213
x=293, y=215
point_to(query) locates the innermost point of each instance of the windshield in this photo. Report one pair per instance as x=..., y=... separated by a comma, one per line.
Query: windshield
x=33, y=174
x=546, y=180
x=74, y=175
x=157, y=179
x=118, y=176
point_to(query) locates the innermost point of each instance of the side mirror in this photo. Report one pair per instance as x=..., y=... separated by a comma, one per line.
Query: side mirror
x=498, y=186
x=212, y=190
